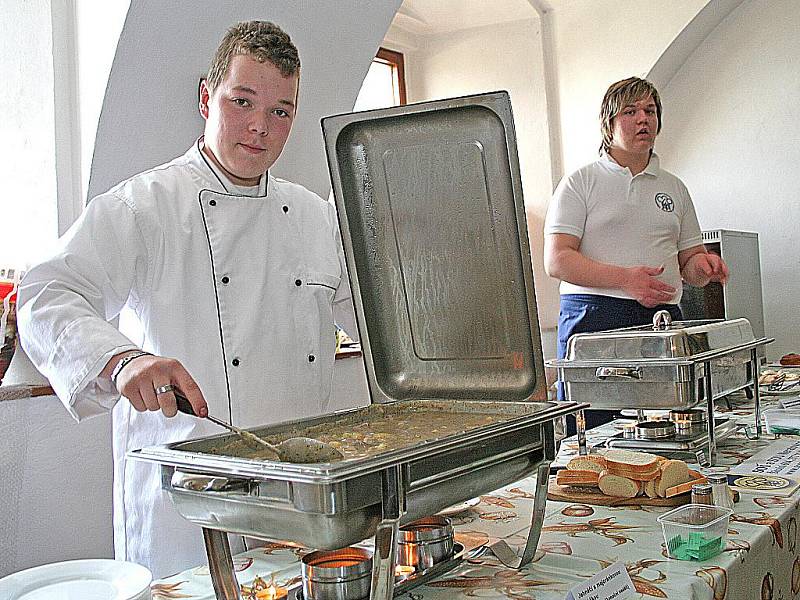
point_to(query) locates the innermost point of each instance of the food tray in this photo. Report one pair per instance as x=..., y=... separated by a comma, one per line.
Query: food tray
x=643, y=367
x=329, y=506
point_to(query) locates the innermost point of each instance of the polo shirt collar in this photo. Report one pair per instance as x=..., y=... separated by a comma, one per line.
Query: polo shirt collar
x=653, y=167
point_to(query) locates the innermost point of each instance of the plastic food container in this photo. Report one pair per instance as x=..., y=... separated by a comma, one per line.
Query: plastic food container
x=695, y=531
x=783, y=421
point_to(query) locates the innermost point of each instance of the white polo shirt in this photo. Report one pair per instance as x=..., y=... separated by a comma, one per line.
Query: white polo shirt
x=625, y=220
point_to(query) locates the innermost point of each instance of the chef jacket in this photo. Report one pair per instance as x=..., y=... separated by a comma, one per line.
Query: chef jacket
x=240, y=289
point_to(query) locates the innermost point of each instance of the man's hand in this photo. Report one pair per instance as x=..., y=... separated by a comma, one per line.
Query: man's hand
x=704, y=267
x=641, y=283
x=139, y=380
x=564, y=261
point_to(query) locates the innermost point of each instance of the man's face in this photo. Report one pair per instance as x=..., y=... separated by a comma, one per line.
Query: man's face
x=248, y=118
x=636, y=126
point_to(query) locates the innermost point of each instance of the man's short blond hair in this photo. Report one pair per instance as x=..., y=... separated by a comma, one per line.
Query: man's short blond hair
x=262, y=40
x=619, y=95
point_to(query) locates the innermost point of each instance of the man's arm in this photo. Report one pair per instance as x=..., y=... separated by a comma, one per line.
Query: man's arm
x=563, y=260
x=63, y=311
x=699, y=266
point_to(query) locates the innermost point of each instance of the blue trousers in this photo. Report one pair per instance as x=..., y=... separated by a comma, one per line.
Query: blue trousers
x=587, y=313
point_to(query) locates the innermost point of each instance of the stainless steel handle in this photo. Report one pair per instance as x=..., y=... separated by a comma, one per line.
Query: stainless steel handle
x=208, y=483
x=621, y=372
x=662, y=320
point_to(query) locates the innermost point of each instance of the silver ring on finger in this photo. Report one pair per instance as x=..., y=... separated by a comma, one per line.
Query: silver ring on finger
x=164, y=389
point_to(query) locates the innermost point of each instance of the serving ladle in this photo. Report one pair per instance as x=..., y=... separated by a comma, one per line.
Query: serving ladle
x=301, y=450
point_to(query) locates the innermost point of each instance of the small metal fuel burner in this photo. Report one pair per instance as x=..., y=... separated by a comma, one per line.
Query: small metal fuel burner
x=689, y=419
x=426, y=549
x=654, y=430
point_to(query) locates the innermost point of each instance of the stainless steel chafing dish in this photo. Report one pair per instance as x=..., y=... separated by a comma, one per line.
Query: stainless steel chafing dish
x=669, y=365
x=433, y=226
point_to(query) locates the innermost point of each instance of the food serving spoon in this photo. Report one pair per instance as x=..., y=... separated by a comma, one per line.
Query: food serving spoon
x=301, y=450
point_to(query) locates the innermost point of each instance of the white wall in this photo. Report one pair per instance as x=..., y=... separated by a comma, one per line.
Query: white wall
x=55, y=485
x=595, y=42
x=731, y=133
x=97, y=29
x=598, y=42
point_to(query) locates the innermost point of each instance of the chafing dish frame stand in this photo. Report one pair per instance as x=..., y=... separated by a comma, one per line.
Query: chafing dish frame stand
x=220, y=565
x=708, y=390
x=393, y=507
x=504, y=553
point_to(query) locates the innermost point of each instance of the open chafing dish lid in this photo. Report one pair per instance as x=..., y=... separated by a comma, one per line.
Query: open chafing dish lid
x=671, y=340
x=433, y=224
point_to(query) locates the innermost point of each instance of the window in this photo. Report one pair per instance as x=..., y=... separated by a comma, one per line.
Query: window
x=42, y=190
x=385, y=83
x=28, y=215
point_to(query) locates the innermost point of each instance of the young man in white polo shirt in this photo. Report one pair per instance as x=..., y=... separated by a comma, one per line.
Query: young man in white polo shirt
x=621, y=233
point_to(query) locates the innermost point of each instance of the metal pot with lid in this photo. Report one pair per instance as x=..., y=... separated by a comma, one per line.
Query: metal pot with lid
x=667, y=365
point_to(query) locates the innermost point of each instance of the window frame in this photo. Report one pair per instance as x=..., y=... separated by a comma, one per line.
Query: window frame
x=397, y=61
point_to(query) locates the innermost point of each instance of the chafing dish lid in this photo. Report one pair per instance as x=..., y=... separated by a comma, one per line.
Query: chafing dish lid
x=430, y=206
x=682, y=339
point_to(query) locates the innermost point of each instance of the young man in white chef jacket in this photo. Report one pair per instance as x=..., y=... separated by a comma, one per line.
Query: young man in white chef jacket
x=230, y=274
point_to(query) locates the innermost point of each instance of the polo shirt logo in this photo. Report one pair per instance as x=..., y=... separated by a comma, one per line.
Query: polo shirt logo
x=664, y=202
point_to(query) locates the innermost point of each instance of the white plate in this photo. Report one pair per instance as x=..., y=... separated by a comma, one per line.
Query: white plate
x=94, y=579
x=459, y=508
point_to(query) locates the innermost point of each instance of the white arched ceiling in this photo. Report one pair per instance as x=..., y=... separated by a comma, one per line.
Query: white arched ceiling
x=150, y=113
x=730, y=132
x=688, y=40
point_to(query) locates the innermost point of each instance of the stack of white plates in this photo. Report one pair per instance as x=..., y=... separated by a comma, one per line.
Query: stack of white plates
x=95, y=579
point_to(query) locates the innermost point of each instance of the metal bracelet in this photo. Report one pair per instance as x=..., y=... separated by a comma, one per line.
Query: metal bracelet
x=123, y=362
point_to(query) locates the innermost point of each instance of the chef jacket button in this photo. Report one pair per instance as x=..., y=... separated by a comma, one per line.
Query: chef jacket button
x=298, y=282
x=226, y=280
x=311, y=358
x=235, y=362
x=285, y=209
x=212, y=202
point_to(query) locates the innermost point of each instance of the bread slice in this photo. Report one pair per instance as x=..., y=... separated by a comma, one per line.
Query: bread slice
x=636, y=475
x=650, y=488
x=673, y=472
x=577, y=478
x=617, y=486
x=590, y=462
x=630, y=459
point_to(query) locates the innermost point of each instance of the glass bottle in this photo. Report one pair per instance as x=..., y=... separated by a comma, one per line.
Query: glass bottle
x=701, y=494
x=720, y=491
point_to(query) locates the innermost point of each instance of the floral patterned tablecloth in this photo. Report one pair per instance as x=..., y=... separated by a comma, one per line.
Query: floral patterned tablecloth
x=760, y=561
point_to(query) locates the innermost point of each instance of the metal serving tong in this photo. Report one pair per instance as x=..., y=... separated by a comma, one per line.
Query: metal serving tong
x=301, y=450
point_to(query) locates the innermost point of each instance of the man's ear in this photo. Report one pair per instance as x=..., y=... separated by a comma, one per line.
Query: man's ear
x=203, y=96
